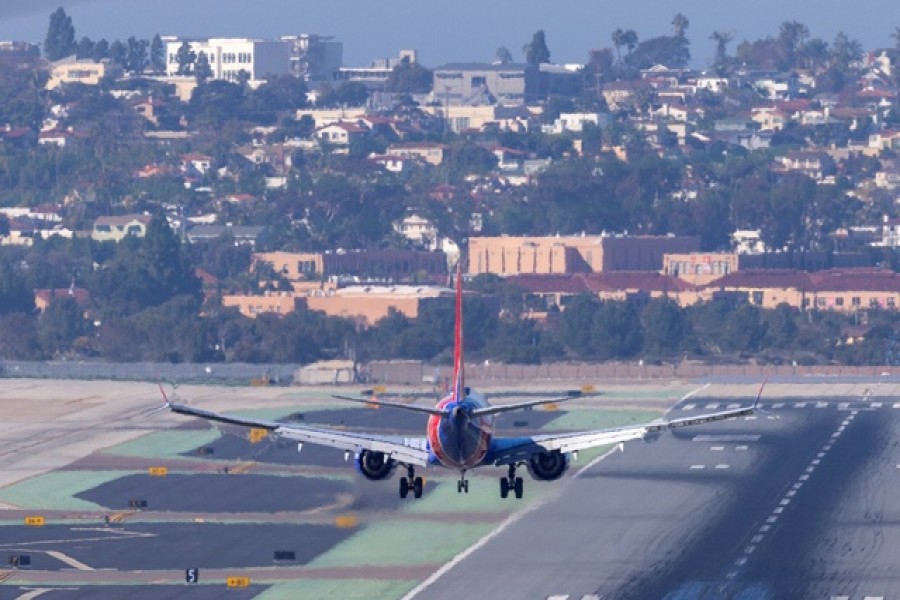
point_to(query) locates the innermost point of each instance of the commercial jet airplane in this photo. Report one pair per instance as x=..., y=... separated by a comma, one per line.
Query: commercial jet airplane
x=460, y=435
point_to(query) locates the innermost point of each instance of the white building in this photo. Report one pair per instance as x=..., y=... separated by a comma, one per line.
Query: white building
x=228, y=57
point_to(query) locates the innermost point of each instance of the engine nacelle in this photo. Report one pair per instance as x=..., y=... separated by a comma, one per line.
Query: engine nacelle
x=374, y=465
x=548, y=466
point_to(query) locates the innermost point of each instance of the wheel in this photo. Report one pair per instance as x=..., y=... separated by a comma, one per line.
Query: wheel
x=404, y=487
x=520, y=489
x=418, y=484
x=504, y=487
x=466, y=486
x=459, y=485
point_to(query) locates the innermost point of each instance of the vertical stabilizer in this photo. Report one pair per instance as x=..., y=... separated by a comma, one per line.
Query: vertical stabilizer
x=459, y=388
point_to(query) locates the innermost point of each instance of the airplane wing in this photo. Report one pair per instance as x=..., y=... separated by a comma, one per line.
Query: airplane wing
x=407, y=450
x=513, y=450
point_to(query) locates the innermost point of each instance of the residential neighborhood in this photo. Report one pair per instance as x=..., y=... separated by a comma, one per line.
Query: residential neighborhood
x=290, y=183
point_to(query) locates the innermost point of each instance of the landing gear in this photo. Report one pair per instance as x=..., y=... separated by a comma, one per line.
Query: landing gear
x=463, y=484
x=411, y=482
x=512, y=483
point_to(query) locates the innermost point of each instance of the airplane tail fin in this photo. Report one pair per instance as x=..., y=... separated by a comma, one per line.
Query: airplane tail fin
x=459, y=386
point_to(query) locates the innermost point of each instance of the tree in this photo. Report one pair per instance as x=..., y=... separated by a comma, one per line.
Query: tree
x=409, y=78
x=85, y=48
x=202, y=68
x=59, y=325
x=157, y=54
x=504, y=56
x=722, y=39
x=845, y=51
x=118, y=53
x=537, y=52
x=185, y=57
x=618, y=40
x=666, y=329
x=680, y=24
x=60, y=40
x=137, y=59
x=792, y=37
x=101, y=50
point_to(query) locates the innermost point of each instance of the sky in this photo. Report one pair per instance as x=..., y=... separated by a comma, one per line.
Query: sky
x=461, y=30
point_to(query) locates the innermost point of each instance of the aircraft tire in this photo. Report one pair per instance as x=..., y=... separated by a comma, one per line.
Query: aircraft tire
x=418, y=484
x=404, y=487
x=519, y=487
x=504, y=487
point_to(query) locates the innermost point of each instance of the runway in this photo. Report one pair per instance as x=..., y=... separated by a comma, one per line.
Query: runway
x=794, y=507
x=795, y=502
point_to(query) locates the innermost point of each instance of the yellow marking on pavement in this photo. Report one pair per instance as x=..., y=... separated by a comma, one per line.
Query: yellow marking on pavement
x=588, y=389
x=35, y=521
x=119, y=517
x=242, y=468
x=551, y=407
x=345, y=521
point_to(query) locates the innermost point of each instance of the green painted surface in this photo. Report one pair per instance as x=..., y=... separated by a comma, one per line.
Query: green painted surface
x=165, y=444
x=56, y=491
x=586, y=420
x=346, y=589
x=402, y=542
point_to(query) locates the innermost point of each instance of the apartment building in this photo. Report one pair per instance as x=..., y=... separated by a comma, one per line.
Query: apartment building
x=229, y=57
x=484, y=83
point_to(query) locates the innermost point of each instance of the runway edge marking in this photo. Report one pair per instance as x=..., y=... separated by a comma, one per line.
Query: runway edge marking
x=511, y=519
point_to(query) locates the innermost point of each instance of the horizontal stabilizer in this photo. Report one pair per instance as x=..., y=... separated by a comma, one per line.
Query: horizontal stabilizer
x=494, y=410
x=431, y=410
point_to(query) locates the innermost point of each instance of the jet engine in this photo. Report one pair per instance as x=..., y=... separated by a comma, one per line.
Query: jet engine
x=548, y=466
x=374, y=465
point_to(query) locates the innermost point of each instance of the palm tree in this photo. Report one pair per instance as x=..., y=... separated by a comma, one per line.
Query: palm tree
x=722, y=39
x=631, y=39
x=896, y=36
x=680, y=23
x=618, y=40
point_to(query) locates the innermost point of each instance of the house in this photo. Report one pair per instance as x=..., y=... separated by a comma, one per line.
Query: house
x=575, y=122
x=59, y=137
x=44, y=297
x=117, y=228
x=430, y=152
x=80, y=70
x=197, y=163
x=816, y=165
x=242, y=234
x=342, y=133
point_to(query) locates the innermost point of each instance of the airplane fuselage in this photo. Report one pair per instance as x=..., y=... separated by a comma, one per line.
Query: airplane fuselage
x=457, y=439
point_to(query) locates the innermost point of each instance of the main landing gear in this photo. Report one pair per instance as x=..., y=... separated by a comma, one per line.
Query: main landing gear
x=411, y=482
x=511, y=482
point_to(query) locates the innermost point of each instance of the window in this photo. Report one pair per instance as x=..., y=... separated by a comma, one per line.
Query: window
x=479, y=81
x=873, y=302
x=820, y=301
x=839, y=301
x=855, y=301
x=757, y=297
x=890, y=302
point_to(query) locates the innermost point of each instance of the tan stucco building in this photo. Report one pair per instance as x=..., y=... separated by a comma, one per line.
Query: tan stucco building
x=558, y=255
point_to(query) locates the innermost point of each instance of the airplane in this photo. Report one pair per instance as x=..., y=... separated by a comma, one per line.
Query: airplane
x=459, y=434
